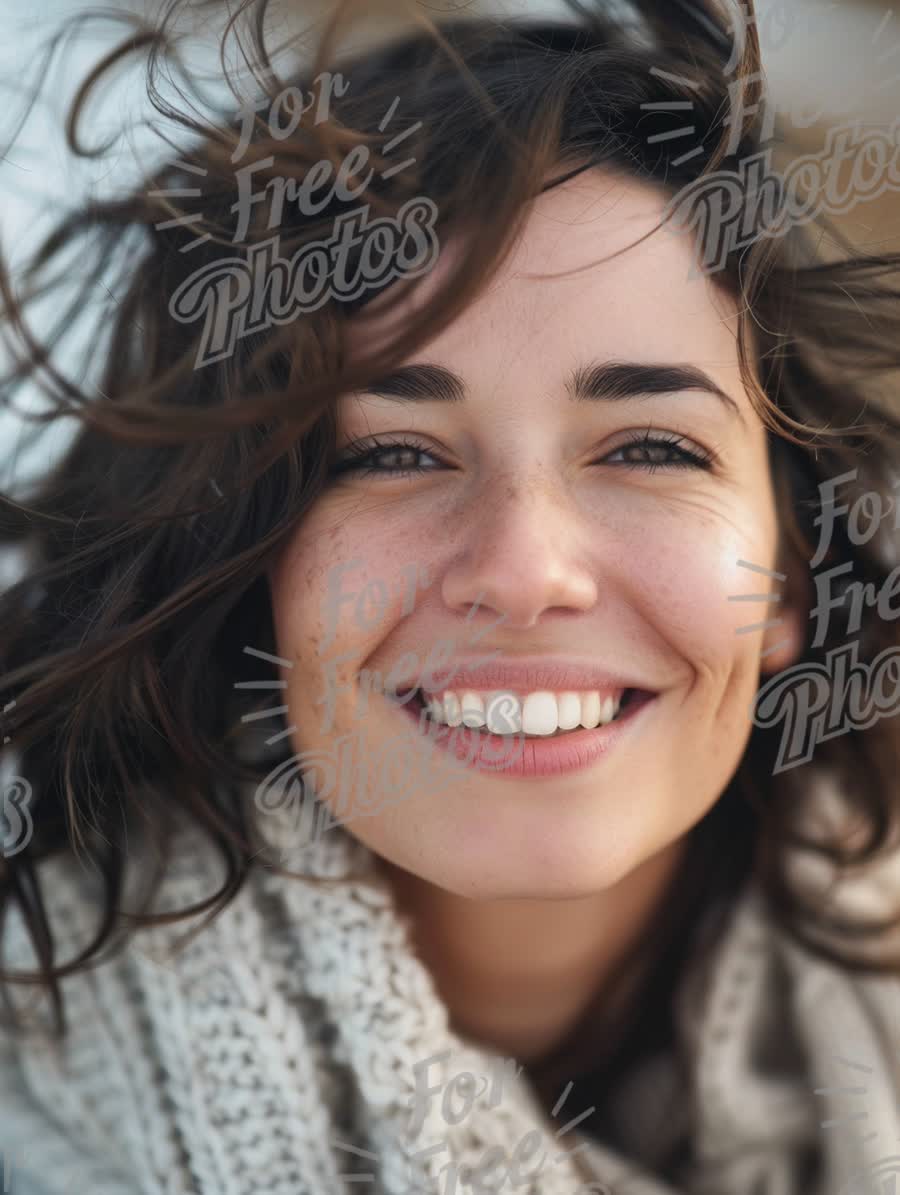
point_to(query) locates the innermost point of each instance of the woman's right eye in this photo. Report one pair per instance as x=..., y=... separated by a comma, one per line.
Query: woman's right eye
x=365, y=459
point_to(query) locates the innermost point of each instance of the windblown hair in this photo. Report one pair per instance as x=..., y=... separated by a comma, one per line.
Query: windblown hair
x=145, y=547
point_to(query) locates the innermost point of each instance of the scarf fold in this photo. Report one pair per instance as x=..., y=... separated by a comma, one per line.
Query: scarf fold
x=295, y=1045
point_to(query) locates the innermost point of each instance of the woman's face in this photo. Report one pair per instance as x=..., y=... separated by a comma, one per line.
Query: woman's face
x=599, y=532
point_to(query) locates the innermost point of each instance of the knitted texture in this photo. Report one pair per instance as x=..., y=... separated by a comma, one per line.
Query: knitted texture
x=295, y=1045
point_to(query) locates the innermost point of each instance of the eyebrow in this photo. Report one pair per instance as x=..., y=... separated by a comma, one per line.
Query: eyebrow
x=599, y=381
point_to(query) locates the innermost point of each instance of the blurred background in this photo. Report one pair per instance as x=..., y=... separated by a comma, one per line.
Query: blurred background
x=825, y=62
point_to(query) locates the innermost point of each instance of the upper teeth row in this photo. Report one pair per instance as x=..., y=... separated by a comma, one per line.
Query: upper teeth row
x=502, y=712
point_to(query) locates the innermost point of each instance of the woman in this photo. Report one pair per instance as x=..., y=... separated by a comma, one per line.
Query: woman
x=444, y=775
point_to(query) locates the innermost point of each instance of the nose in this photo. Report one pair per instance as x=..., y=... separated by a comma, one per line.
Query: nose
x=520, y=554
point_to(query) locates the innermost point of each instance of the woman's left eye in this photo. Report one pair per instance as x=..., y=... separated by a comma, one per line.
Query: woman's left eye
x=644, y=450
x=666, y=451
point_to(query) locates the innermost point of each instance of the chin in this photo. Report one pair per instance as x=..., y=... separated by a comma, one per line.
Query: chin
x=485, y=858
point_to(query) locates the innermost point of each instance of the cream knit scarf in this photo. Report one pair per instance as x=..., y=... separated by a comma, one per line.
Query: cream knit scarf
x=296, y=1046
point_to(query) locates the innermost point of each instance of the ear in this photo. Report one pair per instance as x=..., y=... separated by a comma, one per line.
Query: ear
x=784, y=642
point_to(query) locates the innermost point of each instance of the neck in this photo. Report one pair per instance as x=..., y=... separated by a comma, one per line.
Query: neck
x=517, y=975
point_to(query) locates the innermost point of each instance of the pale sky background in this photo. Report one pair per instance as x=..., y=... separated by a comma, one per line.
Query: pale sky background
x=850, y=49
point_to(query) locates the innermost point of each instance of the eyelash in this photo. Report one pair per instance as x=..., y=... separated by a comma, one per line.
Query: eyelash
x=359, y=453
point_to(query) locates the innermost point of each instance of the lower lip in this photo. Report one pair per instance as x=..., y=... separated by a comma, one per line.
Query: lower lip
x=503, y=755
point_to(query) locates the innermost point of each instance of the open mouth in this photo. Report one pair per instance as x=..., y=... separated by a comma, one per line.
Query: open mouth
x=514, y=754
x=416, y=700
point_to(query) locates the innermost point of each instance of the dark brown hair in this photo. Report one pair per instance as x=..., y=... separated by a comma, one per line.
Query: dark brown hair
x=145, y=547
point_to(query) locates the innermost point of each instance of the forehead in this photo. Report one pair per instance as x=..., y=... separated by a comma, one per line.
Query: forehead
x=647, y=304
x=643, y=304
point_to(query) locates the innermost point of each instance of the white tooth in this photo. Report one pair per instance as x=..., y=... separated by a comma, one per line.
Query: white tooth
x=540, y=714
x=473, y=709
x=590, y=709
x=452, y=711
x=503, y=713
x=569, y=711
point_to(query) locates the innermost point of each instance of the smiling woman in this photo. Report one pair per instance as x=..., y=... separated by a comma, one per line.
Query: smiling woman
x=508, y=886
x=627, y=494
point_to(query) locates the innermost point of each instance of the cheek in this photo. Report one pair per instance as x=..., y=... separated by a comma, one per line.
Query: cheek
x=687, y=576
x=696, y=591
x=338, y=591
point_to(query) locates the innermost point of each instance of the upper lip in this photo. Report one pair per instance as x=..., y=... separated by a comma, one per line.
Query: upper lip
x=558, y=674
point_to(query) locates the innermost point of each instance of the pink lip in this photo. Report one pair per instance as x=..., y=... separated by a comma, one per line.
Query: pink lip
x=528, y=676
x=573, y=752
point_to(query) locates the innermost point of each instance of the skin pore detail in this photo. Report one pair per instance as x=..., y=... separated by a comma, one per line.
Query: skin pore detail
x=602, y=531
